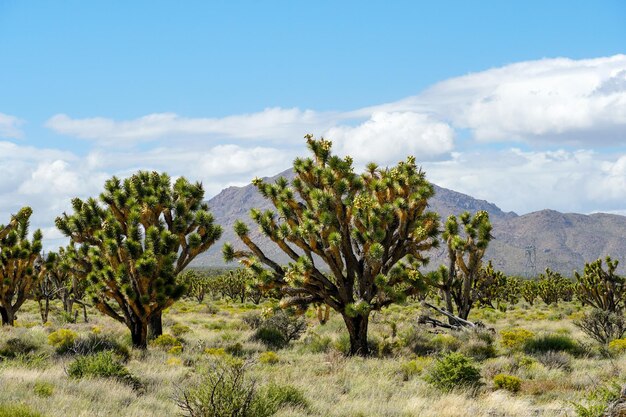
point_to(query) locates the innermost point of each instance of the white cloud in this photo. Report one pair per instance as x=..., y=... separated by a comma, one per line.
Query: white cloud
x=273, y=124
x=569, y=181
x=574, y=102
x=10, y=126
x=389, y=137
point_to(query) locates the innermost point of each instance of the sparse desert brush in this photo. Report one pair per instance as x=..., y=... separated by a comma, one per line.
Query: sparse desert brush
x=508, y=382
x=514, y=339
x=62, y=339
x=454, y=371
x=165, y=341
x=269, y=358
x=617, y=346
x=14, y=410
x=101, y=365
x=552, y=342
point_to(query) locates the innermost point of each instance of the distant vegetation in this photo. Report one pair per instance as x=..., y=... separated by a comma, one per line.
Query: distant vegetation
x=355, y=286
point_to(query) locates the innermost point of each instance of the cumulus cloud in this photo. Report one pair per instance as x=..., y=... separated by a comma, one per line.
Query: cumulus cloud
x=524, y=181
x=388, y=137
x=10, y=126
x=566, y=101
x=274, y=124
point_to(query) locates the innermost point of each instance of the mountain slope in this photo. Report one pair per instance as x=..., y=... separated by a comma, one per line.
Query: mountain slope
x=562, y=242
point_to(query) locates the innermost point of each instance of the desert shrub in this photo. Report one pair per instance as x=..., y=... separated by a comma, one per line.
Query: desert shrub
x=95, y=343
x=165, y=341
x=101, y=365
x=454, y=370
x=270, y=337
x=235, y=349
x=514, y=339
x=15, y=410
x=551, y=342
x=179, y=329
x=617, y=346
x=17, y=346
x=62, y=339
x=279, y=396
x=555, y=360
x=31, y=360
x=445, y=343
x=43, y=389
x=253, y=320
x=597, y=401
x=478, y=350
x=508, y=382
x=226, y=390
x=269, y=358
x=413, y=367
x=279, y=329
x=602, y=326
x=418, y=342
x=315, y=343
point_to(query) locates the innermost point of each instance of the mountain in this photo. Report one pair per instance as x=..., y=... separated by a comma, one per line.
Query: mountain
x=522, y=245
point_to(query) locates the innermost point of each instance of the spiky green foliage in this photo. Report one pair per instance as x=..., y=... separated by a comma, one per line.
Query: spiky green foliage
x=600, y=288
x=198, y=283
x=133, y=244
x=370, y=230
x=19, y=273
x=553, y=287
x=529, y=290
x=494, y=289
x=467, y=238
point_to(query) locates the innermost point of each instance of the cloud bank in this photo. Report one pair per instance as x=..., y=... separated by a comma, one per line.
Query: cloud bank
x=539, y=134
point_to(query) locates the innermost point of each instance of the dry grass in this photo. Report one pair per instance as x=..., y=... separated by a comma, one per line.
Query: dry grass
x=333, y=384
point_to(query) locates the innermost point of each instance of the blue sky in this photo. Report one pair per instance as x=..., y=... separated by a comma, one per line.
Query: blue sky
x=519, y=95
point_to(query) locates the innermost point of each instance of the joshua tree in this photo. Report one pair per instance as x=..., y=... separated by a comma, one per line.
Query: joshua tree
x=529, y=290
x=370, y=231
x=465, y=253
x=552, y=287
x=134, y=244
x=18, y=258
x=602, y=289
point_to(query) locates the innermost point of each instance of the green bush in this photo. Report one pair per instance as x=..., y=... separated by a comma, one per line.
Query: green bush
x=62, y=339
x=15, y=346
x=280, y=396
x=279, y=329
x=269, y=358
x=515, y=338
x=165, y=341
x=597, y=401
x=270, y=337
x=454, y=370
x=101, y=365
x=178, y=329
x=315, y=343
x=14, y=410
x=43, y=389
x=551, y=342
x=508, y=382
x=31, y=360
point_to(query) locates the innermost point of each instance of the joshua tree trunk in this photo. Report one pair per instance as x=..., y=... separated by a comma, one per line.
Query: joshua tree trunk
x=156, y=325
x=44, y=309
x=139, y=333
x=8, y=316
x=357, y=329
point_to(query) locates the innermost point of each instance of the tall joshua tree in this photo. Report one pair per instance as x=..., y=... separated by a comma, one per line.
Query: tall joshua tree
x=466, y=249
x=600, y=288
x=134, y=242
x=370, y=230
x=18, y=272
